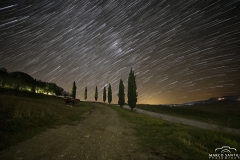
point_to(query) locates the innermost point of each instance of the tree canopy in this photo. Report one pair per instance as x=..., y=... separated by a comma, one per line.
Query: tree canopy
x=132, y=90
x=104, y=94
x=24, y=82
x=109, y=94
x=74, y=90
x=121, y=94
x=85, y=93
x=96, y=94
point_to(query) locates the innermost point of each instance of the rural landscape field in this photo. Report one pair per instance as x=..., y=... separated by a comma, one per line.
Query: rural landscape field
x=224, y=113
x=25, y=115
x=119, y=80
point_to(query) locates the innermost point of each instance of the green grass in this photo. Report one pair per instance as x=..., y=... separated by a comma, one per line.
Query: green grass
x=25, y=114
x=225, y=113
x=176, y=141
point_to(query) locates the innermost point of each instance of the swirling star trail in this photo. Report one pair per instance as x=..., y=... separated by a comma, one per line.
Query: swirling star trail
x=180, y=50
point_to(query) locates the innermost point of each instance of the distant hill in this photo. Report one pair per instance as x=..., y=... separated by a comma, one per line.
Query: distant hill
x=215, y=99
x=235, y=98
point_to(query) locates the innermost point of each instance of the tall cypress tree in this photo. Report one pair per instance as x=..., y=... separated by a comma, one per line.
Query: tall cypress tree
x=121, y=94
x=74, y=90
x=132, y=90
x=85, y=93
x=109, y=94
x=104, y=94
x=96, y=93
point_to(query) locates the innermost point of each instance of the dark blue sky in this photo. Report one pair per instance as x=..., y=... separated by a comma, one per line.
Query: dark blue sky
x=180, y=50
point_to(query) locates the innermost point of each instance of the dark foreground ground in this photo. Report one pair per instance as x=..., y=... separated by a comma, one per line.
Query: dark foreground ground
x=103, y=134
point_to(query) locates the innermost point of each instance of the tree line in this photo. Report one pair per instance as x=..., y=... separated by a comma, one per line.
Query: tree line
x=24, y=82
x=131, y=94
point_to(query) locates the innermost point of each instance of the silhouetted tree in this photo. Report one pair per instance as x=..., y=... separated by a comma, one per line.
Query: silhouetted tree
x=22, y=81
x=47, y=88
x=109, y=94
x=3, y=70
x=85, y=93
x=132, y=90
x=74, y=90
x=96, y=94
x=104, y=94
x=59, y=91
x=3, y=77
x=33, y=86
x=53, y=89
x=121, y=94
x=40, y=86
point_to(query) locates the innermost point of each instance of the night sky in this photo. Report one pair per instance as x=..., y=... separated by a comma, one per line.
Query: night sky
x=180, y=51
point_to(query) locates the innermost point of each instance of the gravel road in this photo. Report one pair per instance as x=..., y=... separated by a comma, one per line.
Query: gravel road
x=103, y=134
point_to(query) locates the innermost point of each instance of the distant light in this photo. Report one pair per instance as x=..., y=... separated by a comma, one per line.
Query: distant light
x=220, y=99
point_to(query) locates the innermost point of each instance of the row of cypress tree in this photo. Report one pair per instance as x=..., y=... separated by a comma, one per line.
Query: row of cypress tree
x=132, y=92
x=96, y=93
x=104, y=94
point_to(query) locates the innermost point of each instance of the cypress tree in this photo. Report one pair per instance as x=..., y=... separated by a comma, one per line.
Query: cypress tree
x=132, y=90
x=121, y=94
x=109, y=94
x=85, y=93
x=74, y=90
x=104, y=94
x=96, y=93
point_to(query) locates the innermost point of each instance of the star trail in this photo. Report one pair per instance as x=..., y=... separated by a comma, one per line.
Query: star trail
x=180, y=51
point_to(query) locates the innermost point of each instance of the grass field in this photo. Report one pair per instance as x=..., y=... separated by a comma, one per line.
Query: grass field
x=224, y=113
x=175, y=141
x=25, y=114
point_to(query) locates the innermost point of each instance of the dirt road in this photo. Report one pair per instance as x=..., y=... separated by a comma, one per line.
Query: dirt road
x=103, y=134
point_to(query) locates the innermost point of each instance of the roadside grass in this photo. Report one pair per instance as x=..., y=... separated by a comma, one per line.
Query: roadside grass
x=224, y=113
x=176, y=141
x=24, y=115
